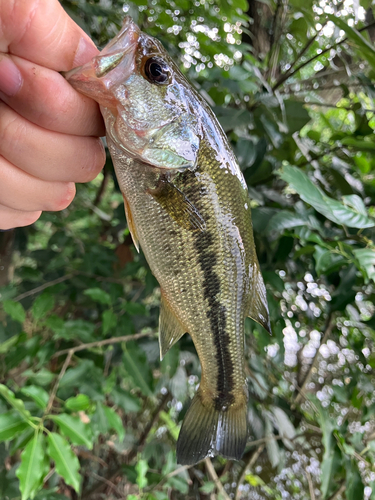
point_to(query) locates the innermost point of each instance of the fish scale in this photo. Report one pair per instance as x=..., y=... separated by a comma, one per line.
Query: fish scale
x=187, y=207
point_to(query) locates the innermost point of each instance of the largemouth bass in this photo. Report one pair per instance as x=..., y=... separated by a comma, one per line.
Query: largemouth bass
x=187, y=206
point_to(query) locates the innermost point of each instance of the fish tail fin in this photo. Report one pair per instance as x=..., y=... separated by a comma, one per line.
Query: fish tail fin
x=207, y=431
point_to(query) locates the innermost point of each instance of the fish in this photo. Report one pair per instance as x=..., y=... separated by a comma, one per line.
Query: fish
x=187, y=206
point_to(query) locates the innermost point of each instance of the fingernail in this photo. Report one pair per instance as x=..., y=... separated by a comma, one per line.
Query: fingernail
x=10, y=76
x=86, y=50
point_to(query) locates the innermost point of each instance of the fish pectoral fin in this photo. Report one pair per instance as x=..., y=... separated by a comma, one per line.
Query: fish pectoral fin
x=258, y=302
x=170, y=328
x=131, y=225
x=178, y=206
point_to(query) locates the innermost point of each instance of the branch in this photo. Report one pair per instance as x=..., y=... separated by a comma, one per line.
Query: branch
x=328, y=330
x=99, y=343
x=43, y=287
x=311, y=486
x=247, y=468
x=56, y=386
x=211, y=472
x=288, y=74
x=338, y=492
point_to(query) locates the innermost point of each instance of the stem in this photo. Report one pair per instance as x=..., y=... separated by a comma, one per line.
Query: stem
x=311, y=486
x=211, y=472
x=56, y=386
x=247, y=468
x=43, y=287
x=99, y=343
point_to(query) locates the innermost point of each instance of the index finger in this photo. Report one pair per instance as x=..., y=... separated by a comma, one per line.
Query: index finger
x=42, y=32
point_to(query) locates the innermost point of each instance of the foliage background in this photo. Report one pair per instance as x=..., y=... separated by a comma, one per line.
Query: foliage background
x=86, y=409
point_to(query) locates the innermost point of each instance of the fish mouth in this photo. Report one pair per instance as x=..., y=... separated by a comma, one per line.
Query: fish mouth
x=112, y=66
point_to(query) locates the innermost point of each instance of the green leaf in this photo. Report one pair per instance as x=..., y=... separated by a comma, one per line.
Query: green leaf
x=109, y=321
x=136, y=365
x=114, y=421
x=15, y=310
x=296, y=115
x=42, y=305
x=66, y=462
x=98, y=295
x=330, y=208
x=17, y=404
x=8, y=344
x=74, y=429
x=366, y=259
x=355, y=202
x=11, y=424
x=32, y=468
x=207, y=488
x=39, y=395
x=141, y=468
x=327, y=262
x=78, y=403
x=354, y=485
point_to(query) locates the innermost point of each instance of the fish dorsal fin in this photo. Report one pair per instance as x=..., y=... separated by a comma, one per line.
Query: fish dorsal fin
x=258, y=301
x=170, y=328
x=131, y=225
x=178, y=206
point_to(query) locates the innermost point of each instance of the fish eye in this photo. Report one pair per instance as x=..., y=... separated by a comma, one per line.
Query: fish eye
x=156, y=71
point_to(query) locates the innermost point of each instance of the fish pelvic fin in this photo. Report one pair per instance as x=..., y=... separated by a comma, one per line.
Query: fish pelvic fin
x=258, y=300
x=170, y=327
x=131, y=225
x=207, y=431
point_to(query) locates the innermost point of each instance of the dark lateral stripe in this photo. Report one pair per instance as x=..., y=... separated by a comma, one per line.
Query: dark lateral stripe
x=216, y=313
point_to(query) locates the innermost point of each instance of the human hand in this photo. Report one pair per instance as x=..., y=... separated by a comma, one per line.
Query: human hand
x=49, y=133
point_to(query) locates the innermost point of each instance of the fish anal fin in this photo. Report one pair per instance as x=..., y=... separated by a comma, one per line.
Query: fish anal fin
x=258, y=299
x=170, y=327
x=207, y=431
x=178, y=206
x=131, y=225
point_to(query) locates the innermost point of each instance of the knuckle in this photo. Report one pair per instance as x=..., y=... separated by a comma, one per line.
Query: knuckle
x=12, y=128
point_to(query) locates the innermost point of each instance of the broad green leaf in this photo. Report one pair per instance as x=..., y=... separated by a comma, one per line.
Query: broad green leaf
x=66, y=462
x=273, y=450
x=39, y=395
x=78, y=403
x=127, y=401
x=366, y=259
x=11, y=425
x=330, y=208
x=98, y=295
x=327, y=261
x=8, y=344
x=207, y=488
x=141, y=468
x=296, y=115
x=109, y=321
x=32, y=468
x=15, y=310
x=42, y=305
x=74, y=429
x=355, y=487
x=17, y=404
x=355, y=202
x=114, y=421
x=283, y=422
x=359, y=145
x=135, y=363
